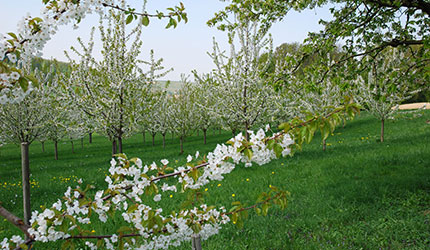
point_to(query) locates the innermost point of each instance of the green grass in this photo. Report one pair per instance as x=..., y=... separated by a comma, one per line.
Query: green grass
x=359, y=194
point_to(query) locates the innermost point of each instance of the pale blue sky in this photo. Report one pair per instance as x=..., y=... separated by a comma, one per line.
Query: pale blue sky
x=183, y=48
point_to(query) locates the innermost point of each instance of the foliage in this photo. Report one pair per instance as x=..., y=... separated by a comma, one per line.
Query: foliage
x=364, y=28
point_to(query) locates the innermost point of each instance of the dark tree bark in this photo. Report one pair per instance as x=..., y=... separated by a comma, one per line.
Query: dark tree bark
x=43, y=146
x=56, y=150
x=73, y=146
x=90, y=137
x=204, y=135
x=153, y=138
x=382, y=129
x=324, y=145
x=182, y=144
x=114, y=147
x=25, y=163
x=164, y=140
x=120, y=144
x=144, y=137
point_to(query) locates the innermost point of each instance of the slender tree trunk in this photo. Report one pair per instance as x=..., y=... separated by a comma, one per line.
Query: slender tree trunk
x=196, y=243
x=82, y=143
x=153, y=139
x=25, y=163
x=90, y=137
x=43, y=146
x=324, y=145
x=120, y=144
x=56, y=150
x=204, y=135
x=114, y=147
x=73, y=146
x=219, y=131
x=382, y=130
x=246, y=130
x=144, y=138
x=182, y=144
x=233, y=131
x=164, y=140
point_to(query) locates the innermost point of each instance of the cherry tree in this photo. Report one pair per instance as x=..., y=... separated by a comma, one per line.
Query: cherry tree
x=389, y=82
x=182, y=112
x=205, y=102
x=24, y=121
x=109, y=91
x=244, y=97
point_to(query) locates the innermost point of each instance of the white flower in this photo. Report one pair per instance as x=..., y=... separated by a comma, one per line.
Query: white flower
x=197, y=154
x=157, y=198
x=164, y=162
x=12, y=57
x=114, y=238
x=189, y=158
x=14, y=76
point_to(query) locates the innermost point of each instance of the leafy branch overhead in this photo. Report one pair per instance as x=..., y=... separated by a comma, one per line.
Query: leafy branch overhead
x=362, y=28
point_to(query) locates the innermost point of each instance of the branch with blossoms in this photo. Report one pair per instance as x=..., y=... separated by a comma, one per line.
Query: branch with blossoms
x=34, y=32
x=134, y=190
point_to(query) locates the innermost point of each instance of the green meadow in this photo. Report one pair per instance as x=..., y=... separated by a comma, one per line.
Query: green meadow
x=358, y=194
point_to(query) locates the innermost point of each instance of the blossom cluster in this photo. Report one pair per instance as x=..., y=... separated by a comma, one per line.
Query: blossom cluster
x=132, y=189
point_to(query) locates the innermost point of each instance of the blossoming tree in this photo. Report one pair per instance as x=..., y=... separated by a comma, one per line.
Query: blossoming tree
x=385, y=86
x=244, y=96
x=109, y=91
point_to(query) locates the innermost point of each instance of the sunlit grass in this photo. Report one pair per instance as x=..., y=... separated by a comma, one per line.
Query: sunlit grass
x=358, y=194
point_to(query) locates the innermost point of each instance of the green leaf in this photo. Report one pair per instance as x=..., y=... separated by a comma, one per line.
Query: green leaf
x=23, y=246
x=129, y=19
x=13, y=35
x=278, y=150
x=145, y=20
x=248, y=153
x=23, y=82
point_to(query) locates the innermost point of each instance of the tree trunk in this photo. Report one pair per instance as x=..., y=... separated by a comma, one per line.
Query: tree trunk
x=204, y=135
x=324, y=145
x=219, y=131
x=43, y=146
x=198, y=132
x=182, y=144
x=382, y=130
x=196, y=242
x=153, y=139
x=246, y=130
x=56, y=150
x=73, y=146
x=120, y=144
x=144, y=138
x=113, y=147
x=233, y=131
x=25, y=163
x=164, y=140
x=90, y=135
x=82, y=142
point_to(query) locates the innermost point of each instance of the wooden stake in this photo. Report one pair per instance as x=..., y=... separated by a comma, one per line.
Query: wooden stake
x=25, y=163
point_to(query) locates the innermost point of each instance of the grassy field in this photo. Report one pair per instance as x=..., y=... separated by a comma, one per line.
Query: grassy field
x=359, y=194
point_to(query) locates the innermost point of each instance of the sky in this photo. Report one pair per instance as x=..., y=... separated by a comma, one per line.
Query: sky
x=184, y=49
